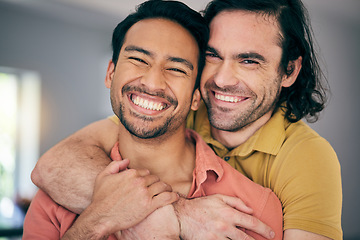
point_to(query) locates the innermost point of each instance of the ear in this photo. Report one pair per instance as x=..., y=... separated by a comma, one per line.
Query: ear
x=292, y=72
x=109, y=74
x=195, y=103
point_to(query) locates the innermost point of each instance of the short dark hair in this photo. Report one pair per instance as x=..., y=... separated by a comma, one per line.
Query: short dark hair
x=307, y=96
x=171, y=10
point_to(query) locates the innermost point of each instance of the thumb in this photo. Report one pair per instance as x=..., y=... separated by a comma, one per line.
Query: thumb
x=123, y=164
x=116, y=166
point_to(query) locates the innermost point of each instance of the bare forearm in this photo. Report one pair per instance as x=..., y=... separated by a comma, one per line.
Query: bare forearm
x=218, y=217
x=297, y=234
x=59, y=182
x=67, y=171
x=87, y=226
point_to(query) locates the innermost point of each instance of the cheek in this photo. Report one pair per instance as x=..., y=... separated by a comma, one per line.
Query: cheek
x=184, y=95
x=129, y=72
x=259, y=81
x=207, y=72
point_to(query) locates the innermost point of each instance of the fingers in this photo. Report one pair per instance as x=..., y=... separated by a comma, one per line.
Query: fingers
x=252, y=223
x=236, y=203
x=163, y=199
x=243, y=218
x=114, y=167
x=159, y=187
x=239, y=235
x=143, y=172
x=161, y=192
x=158, y=192
x=123, y=164
x=150, y=180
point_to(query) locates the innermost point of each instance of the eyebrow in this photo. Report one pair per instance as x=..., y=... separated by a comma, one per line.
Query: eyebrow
x=132, y=48
x=211, y=49
x=181, y=60
x=252, y=55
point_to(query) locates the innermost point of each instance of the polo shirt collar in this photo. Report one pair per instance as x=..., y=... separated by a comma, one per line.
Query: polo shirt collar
x=267, y=139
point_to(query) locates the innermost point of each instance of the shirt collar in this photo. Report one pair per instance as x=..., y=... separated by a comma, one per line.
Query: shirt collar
x=206, y=159
x=267, y=139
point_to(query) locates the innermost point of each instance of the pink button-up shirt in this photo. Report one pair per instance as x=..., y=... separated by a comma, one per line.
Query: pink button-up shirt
x=212, y=175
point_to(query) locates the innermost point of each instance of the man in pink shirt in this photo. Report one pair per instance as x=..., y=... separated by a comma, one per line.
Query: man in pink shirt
x=153, y=79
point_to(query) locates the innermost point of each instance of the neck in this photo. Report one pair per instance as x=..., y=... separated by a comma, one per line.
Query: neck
x=170, y=157
x=233, y=139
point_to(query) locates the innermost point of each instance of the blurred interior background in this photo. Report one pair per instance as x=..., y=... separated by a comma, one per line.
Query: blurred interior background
x=53, y=58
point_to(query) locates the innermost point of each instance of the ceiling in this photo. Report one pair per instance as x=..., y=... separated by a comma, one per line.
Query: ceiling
x=106, y=13
x=93, y=13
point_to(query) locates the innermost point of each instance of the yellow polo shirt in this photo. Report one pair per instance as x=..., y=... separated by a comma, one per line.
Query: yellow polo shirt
x=295, y=162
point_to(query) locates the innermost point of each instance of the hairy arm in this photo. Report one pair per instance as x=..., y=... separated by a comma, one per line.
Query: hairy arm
x=84, y=155
x=162, y=224
x=122, y=199
x=218, y=217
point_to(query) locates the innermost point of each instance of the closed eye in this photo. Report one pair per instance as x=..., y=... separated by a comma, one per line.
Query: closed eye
x=138, y=59
x=177, y=70
x=211, y=55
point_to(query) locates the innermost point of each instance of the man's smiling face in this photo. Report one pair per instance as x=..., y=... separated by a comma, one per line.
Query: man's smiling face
x=152, y=84
x=241, y=81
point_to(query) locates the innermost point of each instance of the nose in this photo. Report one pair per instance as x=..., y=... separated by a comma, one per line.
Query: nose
x=225, y=74
x=154, y=79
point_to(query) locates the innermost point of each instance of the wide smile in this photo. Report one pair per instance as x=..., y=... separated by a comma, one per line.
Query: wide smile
x=148, y=104
x=228, y=98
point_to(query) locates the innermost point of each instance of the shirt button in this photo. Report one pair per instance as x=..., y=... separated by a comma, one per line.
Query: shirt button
x=227, y=158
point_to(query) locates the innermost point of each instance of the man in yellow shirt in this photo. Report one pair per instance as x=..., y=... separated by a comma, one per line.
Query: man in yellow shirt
x=260, y=79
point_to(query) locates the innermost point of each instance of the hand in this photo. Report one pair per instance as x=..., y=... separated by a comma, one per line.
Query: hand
x=123, y=199
x=162, y=224
x=218, y=217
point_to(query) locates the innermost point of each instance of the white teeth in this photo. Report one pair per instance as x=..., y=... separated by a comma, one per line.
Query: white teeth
x=226, y=98
x=144, y=103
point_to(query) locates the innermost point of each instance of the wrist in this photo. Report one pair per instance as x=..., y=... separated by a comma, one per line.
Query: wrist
x=179, y=207
x=90, y=225
x=84, y=231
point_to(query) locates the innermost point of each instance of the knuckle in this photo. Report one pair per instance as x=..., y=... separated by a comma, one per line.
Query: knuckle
x=164, y=198
x=227, y=213
x=253, y=222
x=140, y=181
x=221, y=226
x=164, y=185
x=155, y=179
x=212, y=236
x=144, y=202
x=246, y=237
x=132, y=172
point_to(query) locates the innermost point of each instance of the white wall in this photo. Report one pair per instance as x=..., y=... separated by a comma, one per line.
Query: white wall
x=71, y=60
x=339, y=37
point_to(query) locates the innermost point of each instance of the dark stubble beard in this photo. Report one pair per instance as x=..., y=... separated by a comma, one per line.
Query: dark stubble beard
x=141, y=131
x=239, y=119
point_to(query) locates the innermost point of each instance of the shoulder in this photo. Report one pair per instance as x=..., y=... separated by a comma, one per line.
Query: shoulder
x=305, y=175
x=303, y=147
x=304, y=159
